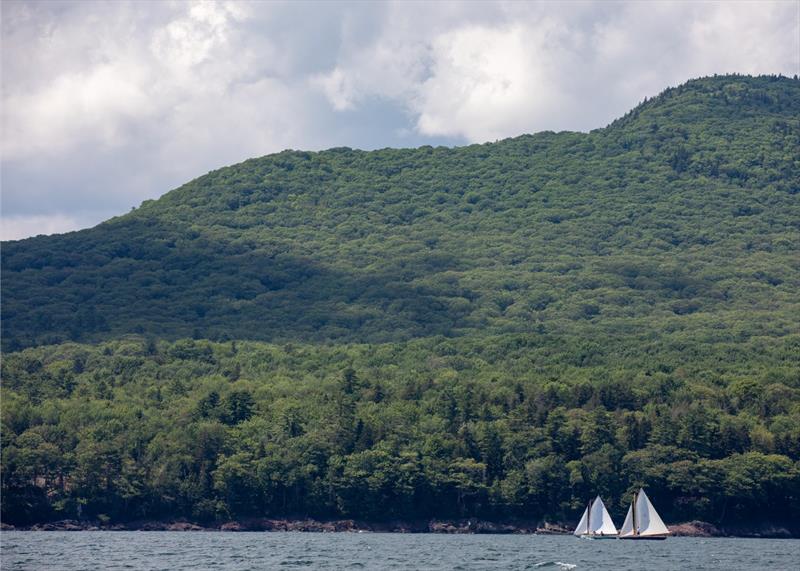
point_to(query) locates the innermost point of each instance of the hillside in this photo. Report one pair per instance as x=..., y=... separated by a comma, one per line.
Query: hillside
x=683, y=211
x=495, y=331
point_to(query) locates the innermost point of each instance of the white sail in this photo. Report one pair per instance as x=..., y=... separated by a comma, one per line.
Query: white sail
x=648, y=522
x=627, y=526
x=582, y=525
x=600, y=521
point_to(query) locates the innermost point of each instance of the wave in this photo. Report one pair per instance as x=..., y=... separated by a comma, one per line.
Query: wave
x=556, y=565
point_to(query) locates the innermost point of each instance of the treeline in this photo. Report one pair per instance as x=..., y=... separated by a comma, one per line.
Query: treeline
x=513, y=426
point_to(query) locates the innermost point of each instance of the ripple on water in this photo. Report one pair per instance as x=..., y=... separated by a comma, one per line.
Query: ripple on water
x=555, y=564
x=155, y=551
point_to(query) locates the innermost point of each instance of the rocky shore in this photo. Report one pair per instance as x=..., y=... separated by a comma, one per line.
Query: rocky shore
x=689, y=529
x=705, y=529
x=309, y=525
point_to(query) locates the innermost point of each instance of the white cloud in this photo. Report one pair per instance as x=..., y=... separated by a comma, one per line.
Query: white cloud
x=194, y=38
x=161, y=97
x=391, y=68
x=486, y=82
x=338, y=88
x=105, y=104
x=572, y=66
x=746, y=37
x=91, y=105
x=16, y=227
x=127, y=81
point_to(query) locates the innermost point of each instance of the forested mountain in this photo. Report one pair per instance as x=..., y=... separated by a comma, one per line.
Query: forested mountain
x=494, y=330
x=683, y=209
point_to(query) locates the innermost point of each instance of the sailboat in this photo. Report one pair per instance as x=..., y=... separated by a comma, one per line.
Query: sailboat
x=595, y=522
x=642, y=521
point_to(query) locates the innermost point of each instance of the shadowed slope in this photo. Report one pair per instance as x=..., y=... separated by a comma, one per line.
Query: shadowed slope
x=684, y=207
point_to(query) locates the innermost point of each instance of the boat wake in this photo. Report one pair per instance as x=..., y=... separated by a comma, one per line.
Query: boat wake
x=555, y=565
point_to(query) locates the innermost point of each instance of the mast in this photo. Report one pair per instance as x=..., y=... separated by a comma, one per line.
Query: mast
x=635, y=523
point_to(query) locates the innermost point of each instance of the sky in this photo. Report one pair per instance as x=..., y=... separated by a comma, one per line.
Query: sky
x=108, y=104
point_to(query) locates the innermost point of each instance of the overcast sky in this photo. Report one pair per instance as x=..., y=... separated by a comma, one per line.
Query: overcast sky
x=105, y=105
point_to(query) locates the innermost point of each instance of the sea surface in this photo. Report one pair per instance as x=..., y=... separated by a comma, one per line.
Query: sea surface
x=111, y=550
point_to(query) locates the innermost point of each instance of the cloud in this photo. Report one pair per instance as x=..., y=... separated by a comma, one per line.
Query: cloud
x=570, y=66
x=159, y=97
x=105, y=104
x=192, y=39
x=129, y=78
x=16, y=227
x=486, y=82
x=92, y=106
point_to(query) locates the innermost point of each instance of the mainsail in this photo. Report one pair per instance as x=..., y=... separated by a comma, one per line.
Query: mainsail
x=600, y=521
x=643, y=519
x=649, y=522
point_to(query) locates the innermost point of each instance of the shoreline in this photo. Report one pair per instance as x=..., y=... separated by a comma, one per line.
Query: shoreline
x=466, y=526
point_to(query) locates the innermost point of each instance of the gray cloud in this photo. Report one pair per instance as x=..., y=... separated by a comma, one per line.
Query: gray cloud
x=107, y=104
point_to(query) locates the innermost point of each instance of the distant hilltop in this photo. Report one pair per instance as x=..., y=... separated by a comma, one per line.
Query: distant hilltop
x=683, y=208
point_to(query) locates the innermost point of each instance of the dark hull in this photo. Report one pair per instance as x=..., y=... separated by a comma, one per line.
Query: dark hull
x=645, y=537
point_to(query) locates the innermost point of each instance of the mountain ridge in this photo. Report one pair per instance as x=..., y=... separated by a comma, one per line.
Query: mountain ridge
x=434, y=231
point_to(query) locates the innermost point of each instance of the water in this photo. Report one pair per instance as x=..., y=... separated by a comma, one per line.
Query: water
x=239, y=551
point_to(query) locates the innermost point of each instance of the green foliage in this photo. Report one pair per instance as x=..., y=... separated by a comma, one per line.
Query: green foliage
x=501, y=426
x=681, y=215
x=495, y=330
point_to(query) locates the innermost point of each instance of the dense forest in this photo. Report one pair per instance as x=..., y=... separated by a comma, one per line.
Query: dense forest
x=518, y=425
x=498, y=330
